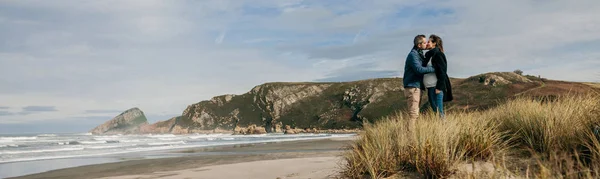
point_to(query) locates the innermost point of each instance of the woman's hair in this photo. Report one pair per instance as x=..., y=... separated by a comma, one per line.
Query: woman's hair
x=438, y=41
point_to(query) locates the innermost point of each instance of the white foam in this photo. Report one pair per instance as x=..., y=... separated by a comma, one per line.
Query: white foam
x=208, y=136
x=128, y=141
x=40, y=151
x=64, y=143
x=169, y=138
x=110, y=138
x=17, y=138
x=47, y=135
x=161, y=136
x=109, y=146
x=166, y=143
x=139, y=149
x=197, y=137
x=9, y=145
x=106, y=136
x=256, y=135
x=282, y=135
x=155, y=145
x=93, y=142
x=62, y=156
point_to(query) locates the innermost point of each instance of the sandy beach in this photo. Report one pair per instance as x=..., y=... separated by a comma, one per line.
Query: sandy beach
x=296, y=159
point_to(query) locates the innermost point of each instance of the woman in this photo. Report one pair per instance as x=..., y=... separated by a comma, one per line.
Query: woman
x=439, y=89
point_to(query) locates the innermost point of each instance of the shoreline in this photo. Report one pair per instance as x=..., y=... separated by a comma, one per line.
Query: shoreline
x=176, y=148
x=194, y=158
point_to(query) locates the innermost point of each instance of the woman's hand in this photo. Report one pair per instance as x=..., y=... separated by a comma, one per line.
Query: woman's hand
x=437, y=91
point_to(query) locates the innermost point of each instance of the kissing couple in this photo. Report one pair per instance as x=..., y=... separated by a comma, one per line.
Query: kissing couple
x=426, y=71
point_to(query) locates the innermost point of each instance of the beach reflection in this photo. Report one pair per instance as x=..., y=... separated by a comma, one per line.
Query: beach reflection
x=30, y=167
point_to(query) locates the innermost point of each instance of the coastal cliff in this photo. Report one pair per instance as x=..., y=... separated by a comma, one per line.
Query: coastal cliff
x=331, y=106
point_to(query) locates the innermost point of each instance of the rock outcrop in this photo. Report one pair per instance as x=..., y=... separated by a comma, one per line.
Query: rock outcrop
x=500, y=78
x=128, y=122
x=252, y=129
x=300, y=105
x=160, y=127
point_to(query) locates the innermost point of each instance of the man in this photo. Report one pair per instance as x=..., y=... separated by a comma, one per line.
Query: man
x=413, y=77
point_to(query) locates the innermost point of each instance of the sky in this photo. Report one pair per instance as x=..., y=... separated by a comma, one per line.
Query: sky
x=68, y=66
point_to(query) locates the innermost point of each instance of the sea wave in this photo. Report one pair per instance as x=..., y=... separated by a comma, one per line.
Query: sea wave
x=167, y=143
x=93, y=142
x=9, y=145
x=46, y=135
x=109, y=146
x=161, y=136
x=40, y=151
x=91, y=146
x=208, y=136
x=169, y=138
x=17, y=138
x=107, y=137
x=130, y=141
x=58, y=157
x=69, y=143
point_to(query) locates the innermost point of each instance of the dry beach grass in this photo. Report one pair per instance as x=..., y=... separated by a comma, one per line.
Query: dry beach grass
x=548, y=138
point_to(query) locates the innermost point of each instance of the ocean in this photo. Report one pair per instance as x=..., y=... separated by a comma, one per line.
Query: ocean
x=34, y=153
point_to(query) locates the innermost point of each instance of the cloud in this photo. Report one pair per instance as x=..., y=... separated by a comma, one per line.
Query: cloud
x=103, y=111
x=221, y=37
x=6, y=113
x=358, y=75
x=164, y=55
x=39, y=108
x=27, y=110
x=72, y=125
x=9, y=113
x=481, y=38
x=4, y=107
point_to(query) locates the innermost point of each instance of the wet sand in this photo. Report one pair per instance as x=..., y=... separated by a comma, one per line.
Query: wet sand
x=297, y=159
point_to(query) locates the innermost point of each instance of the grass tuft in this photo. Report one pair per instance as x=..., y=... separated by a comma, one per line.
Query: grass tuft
x=547, y=138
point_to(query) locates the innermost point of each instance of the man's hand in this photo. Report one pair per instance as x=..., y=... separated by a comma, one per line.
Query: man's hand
x=437, y=91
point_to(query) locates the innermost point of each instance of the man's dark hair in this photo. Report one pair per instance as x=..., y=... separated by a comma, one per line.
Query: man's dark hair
x=418, y=39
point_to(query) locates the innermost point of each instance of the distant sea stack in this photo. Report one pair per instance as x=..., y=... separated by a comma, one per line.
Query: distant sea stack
x=128, y=122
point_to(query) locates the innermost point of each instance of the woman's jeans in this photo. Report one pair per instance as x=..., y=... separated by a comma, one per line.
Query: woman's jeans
x=436, y=101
